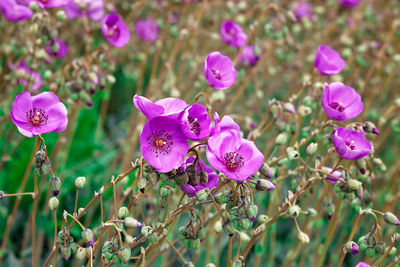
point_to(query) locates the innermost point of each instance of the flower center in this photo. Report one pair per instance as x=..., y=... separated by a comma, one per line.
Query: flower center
x=160, y=142
x=350, y=145
x=217, y=74
x=233, y=161
x=194, y=126
x=112, y=31
x=36, y=117
x=337, y=106
x=44, y=1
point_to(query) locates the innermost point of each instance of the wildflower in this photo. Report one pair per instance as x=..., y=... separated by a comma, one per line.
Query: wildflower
x=163, y=144
x=147, y=29
x=170, y=106
x=334, y=176
x=250, y=55
x=350, y=144
x=362, y=264
x=219, y=71
x=236, y=157
x=328, y=61
x=195, y=122
x=304, y=10
x=51, y=3
x=93, y=9
x=14, y=12
x=349, y=3
x=212, y=177
x=38, y=114
x=226, y=124
x=57, y=48
x=27, y=76
x=115, y=30
x=232, y=33
x=341, y=102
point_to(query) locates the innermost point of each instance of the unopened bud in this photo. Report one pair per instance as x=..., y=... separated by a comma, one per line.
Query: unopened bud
x=294, y=211
x=81, y=253
x=311, y=212
x=61, y=16
x=265, y=185
x=266, y=170
x=164, y=191
x=251, y=211
x=390, y=218
x=304, y=110
x=293, y=154
x=352, y=247
x=182, y=178
x=146, y=231
x=202, y=194
x=370, y=128
x=380, y=247
x=312, y=148
x=281, y=139
x=361, y=165
x=237, y=263
x=263, y=218
x=228, y=228
x=203, y=178
x=55, y=185
x=354, y=184
x=142, y=183
x=66, y=252
x=80, y=182
x=132, y=222
x=124, y=254
x=53, y=203
x=218, y=226
x=245, y=223
x=87, y=235
x=370, y=252
x=303, y=237
x=289, y=107
x=221, y=198
x=123, y=212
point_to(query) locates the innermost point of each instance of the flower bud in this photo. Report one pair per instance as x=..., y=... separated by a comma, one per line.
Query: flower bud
x=146, y=231
x=294, y=211
x=245, y=223
x=304, y=110
x=370, y=128
x=263, y=218
x=66, y=252
x=293, y=154
x=281, y=139
x=87, y=235
x=222, y=198
x=237, y=263
x=303, y=237
x=361, y=165
x=123, y=212
x=354, y=184
x=312, y=148
x=370, y=252
x=80, y=182
x=352, y=247
x=380, y=247
x=80, y=210
x=289, y=107
x=42, y=165
x=379, y=163
x=61, y=16
x=311, y=212
x=124, y=254
x=390, y=218
x=228, y=227
x=264, y=185
x=252, y=211
x=266, y=170
x=182, y=178
x=195, y=243
x=131, y=222
x=53, y=203
x=142, y=183
x=164, y=191
x=202, y=194
x=81, y=253
x=55, y=185
x=203, y=178
x=153, y=177
x=218, y=226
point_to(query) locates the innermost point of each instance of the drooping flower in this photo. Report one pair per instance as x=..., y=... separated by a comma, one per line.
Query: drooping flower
x=350, y=144
x=349, y=3
x=38, y=114
x=334, y=176
x=93, y=9
x=341, y=102
x=362, y=264
x=249, y=55
x=232, y=33
x=219, y=71
x=14, y=12
x=57, y=48
x=115, y=30
x=147, y=29
x=234, y=156
x=304, y=10
x=170, y=106
x=163, y=144
x=27, y=76
x=226, y=124
x=212, y=177
x=328, y=61
x=52, y=3
x=196, y=124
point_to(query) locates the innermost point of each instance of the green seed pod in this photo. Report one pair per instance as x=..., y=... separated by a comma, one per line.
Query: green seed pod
x=221, y=198
x=263, y=218
x=123, y=212
x=81, y=253
x=252, y=211
x=53, y=203
x=304, y=110
x=80, y=182
x=153, y=177
x=311, y=212
x=393, y=251
x=245, y=223
x=354, y=184
x=330, y=208
x=66, y=252
x=370, y=252
x=294, y=211
x=73, y=246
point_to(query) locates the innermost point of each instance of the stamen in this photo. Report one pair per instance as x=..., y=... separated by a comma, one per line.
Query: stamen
x=233, y=161
x=160, y=142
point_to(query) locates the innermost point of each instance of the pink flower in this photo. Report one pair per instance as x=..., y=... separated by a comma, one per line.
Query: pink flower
x=38, y=114
x=219, y=71
x=328, y=61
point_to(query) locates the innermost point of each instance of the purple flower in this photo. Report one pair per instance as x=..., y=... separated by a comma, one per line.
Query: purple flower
x=147, y=29
x=232, y=33
x=38, y=114
x=328, y=61
x=115, y=30
x=334, y=176
x=341, y=102
x=51, y=3
x=350, y=144
x=163, y=144
x=304, y=10
x=219, y=71
x=196, y=124
x=14, y=12
x=57, y=48
x=212, y=178
x=33, y=78
x=234, y=156
x=93, y=9
x=349, y=3
x=362, y=264
x=170, y=106
x=226, y=124
x=249, y=55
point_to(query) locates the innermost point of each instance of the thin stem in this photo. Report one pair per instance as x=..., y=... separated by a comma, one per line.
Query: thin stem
x=76, y=202
x=229, y=258
x=177, y=252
